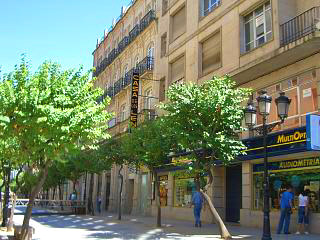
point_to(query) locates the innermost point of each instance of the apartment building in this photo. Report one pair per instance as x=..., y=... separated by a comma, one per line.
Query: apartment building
x=128, y=46
x=262, y=44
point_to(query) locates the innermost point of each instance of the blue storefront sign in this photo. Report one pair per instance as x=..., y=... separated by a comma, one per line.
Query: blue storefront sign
x=313, y=132
x=286, y=142
x=280, y=143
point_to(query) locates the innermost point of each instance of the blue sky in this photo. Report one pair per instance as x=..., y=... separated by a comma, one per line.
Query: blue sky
x=64, y=31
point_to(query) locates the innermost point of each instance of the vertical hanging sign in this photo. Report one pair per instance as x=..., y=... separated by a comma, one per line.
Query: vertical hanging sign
x=134, y=100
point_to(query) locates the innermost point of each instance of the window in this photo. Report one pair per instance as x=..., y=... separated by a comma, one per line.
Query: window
x=150, y=51
x=148, y=99
x=125, y=70
x=177, y=70
x=209, y=5
x=136, y=61
x=184, y=189
x=165, y=4
x=178, y=23
x=211, y=53
x=162, y=90
x=257, y=27
x=163, y=45
x=122, y=113
x=299, y=178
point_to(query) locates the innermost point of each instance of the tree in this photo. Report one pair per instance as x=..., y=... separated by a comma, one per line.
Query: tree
x=113, y=152
x=150, y=144
x=50, y=113
x=206, y=119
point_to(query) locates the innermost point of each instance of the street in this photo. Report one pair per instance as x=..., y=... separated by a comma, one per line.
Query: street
x=69, y=227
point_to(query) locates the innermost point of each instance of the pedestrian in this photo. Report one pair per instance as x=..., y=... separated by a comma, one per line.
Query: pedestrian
x=197, y=201
x=285, y=211
x=303, y=212
x=73, y=199
x=99, y=204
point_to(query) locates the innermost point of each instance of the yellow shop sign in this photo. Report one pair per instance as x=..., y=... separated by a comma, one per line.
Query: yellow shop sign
x=296, y=136
x=312, y=162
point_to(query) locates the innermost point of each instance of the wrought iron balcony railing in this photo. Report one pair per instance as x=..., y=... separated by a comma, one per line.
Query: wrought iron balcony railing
x=144, y=23
x=146, y=20
x=300, y=26
x=145, y=65
x=134, y=32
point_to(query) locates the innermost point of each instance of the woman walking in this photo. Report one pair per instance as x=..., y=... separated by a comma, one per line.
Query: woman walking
x=303, y=213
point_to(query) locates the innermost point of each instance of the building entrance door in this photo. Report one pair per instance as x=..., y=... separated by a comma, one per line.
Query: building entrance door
x=233, y=193
x=130, y=195
x=107, y=192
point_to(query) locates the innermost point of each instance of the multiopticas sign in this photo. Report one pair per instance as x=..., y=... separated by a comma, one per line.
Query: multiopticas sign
x=296, y=136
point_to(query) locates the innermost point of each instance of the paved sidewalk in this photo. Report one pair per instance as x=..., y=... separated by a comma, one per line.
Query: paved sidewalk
x=107, y=226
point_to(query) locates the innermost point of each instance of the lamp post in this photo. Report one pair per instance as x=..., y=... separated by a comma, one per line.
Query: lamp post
x=264, y=104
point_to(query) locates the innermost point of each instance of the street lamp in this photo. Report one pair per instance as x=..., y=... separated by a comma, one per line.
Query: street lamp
x=264, y=104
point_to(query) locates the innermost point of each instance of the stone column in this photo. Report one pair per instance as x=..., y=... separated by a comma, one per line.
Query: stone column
x=246, y=194
x=219, y=190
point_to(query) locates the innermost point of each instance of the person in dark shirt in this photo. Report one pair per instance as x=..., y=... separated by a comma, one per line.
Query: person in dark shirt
x=197, y=201
x=286, y=210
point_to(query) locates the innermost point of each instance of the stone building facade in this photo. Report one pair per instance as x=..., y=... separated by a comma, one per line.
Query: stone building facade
x=262, y=44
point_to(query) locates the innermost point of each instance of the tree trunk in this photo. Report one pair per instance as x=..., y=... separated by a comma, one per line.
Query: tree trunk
x=35, y=191
x=54, y=193
x=120, y=192
x=6, y=199
x=90, y=201
x=10, y=223
x=60, y=197
x=157, y=190
x=222, y=228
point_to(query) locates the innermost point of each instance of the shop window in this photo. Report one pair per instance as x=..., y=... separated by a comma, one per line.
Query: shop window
x=299, y=178
x=183, y=192
x=257, y=27
x=211, y=53
x=178, y=21
x=163, y=181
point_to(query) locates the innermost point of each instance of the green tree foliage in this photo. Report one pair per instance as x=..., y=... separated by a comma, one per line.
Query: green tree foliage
x=149, y=146
x=205, y=119
x=50, y=114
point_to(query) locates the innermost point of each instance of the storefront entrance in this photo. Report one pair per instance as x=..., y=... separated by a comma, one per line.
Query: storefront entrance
x=233, y=193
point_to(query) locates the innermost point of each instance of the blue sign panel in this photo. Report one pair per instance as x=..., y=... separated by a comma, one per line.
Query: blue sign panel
x=279, y=143
x=313, y=132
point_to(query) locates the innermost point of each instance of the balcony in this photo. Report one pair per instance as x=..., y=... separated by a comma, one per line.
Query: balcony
x=299, y=39
x=300, y=26
x=134, y=33
x=146, y=65
x=125, y=42
x=146, y=20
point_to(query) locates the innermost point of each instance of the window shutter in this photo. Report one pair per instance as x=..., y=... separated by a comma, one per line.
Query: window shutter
x=179, y=23
x=177, y=70
x=211, y=53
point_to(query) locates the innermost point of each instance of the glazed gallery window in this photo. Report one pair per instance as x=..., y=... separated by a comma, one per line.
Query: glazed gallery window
x=299, y=179
x=258, y=27
x=209, y=5
x=302, y=90
x=183, y=189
